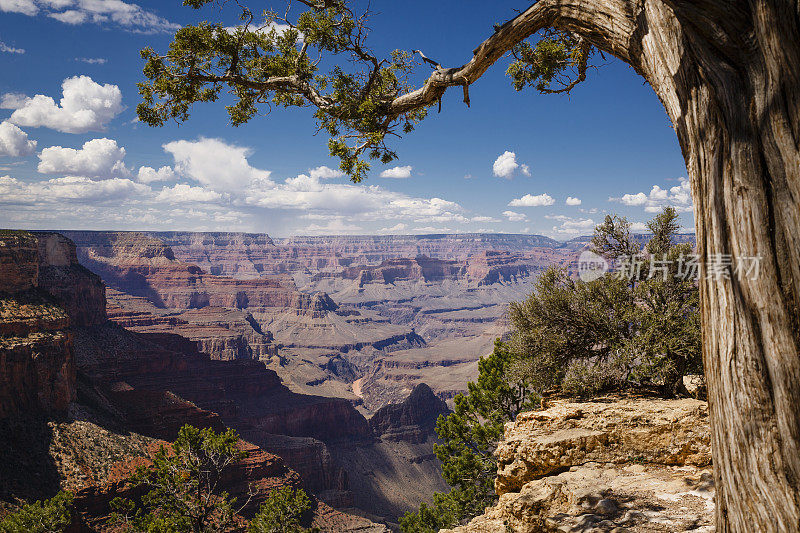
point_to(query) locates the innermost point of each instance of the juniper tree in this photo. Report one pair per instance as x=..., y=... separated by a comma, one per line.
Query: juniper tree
x=182, y=490
x=282, y=512
x=728, y=75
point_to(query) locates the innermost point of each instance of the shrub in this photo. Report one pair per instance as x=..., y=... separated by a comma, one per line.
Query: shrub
x=282, y=512
x=183, y=486
x=43, y=516
x=586, y=338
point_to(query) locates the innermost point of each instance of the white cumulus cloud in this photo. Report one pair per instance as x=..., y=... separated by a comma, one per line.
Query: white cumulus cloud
x=506, y=165
x=572, y=226
x=182, y=193
x=221, y=166
x=70, y=188
x=357, y=201
x=123, y=14
x=225, y=168
x=26, y=7
x=397, y=172
x=530, y=200
x=397, y=228
x=92, y=60
x=481, y=218
x=335, y=226
x=431, y=230
x=573, y=201
x=679, y=197
x=513, y=216
x=280, y=29
x=325, y=173
x=70, y=16
x=150, y=175
x=98, y=158
x=14, y=142
x=84, y=106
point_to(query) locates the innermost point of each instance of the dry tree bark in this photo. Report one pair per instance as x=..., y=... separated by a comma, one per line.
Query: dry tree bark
x=728, y=75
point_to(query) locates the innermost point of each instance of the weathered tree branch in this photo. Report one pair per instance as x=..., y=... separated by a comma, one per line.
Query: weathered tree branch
x=608, y=25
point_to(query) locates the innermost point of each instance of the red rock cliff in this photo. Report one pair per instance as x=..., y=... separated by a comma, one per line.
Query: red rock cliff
x=43, y=292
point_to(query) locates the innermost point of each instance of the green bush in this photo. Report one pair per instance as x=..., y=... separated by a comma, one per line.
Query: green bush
x=282, y=512
x=43, y=516
x=587, y=338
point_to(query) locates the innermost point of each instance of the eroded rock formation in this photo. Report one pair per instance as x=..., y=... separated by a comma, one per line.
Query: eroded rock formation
x=44, y=293
x=413, y=420
x=131, y=392
x=613, y=464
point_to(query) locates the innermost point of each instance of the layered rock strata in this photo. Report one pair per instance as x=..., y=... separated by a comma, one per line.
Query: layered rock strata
x=131, y=391
x=44, y=293
x=413, y=420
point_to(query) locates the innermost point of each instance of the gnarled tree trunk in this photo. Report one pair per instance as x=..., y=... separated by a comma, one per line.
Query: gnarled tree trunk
x=728, y=74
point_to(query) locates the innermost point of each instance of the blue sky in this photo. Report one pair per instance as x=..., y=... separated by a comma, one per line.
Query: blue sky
x=508, y=164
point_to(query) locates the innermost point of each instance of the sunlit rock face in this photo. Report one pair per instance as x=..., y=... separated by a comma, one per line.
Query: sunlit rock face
x=636, y=464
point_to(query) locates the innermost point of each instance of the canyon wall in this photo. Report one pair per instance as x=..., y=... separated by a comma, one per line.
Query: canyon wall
x=306, y=336
x=114, y=393
x=44, y=294
x=413, y=420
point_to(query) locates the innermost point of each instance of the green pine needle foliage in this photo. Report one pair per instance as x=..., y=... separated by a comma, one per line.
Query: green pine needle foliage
x=282, y=512
x=182, y=486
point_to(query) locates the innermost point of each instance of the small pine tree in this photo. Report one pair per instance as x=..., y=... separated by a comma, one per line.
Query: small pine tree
x=183, y=486
x=282, y=512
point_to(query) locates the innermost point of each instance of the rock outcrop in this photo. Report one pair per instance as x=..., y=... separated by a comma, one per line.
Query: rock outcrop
x=489, y=267
x=19, y=261
x=614, y=464
x=142, y=265
x=413, y=420
x=394, y=474
x=484, y=268
x=224, y=334
x=80, y=292
x=44, y=293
